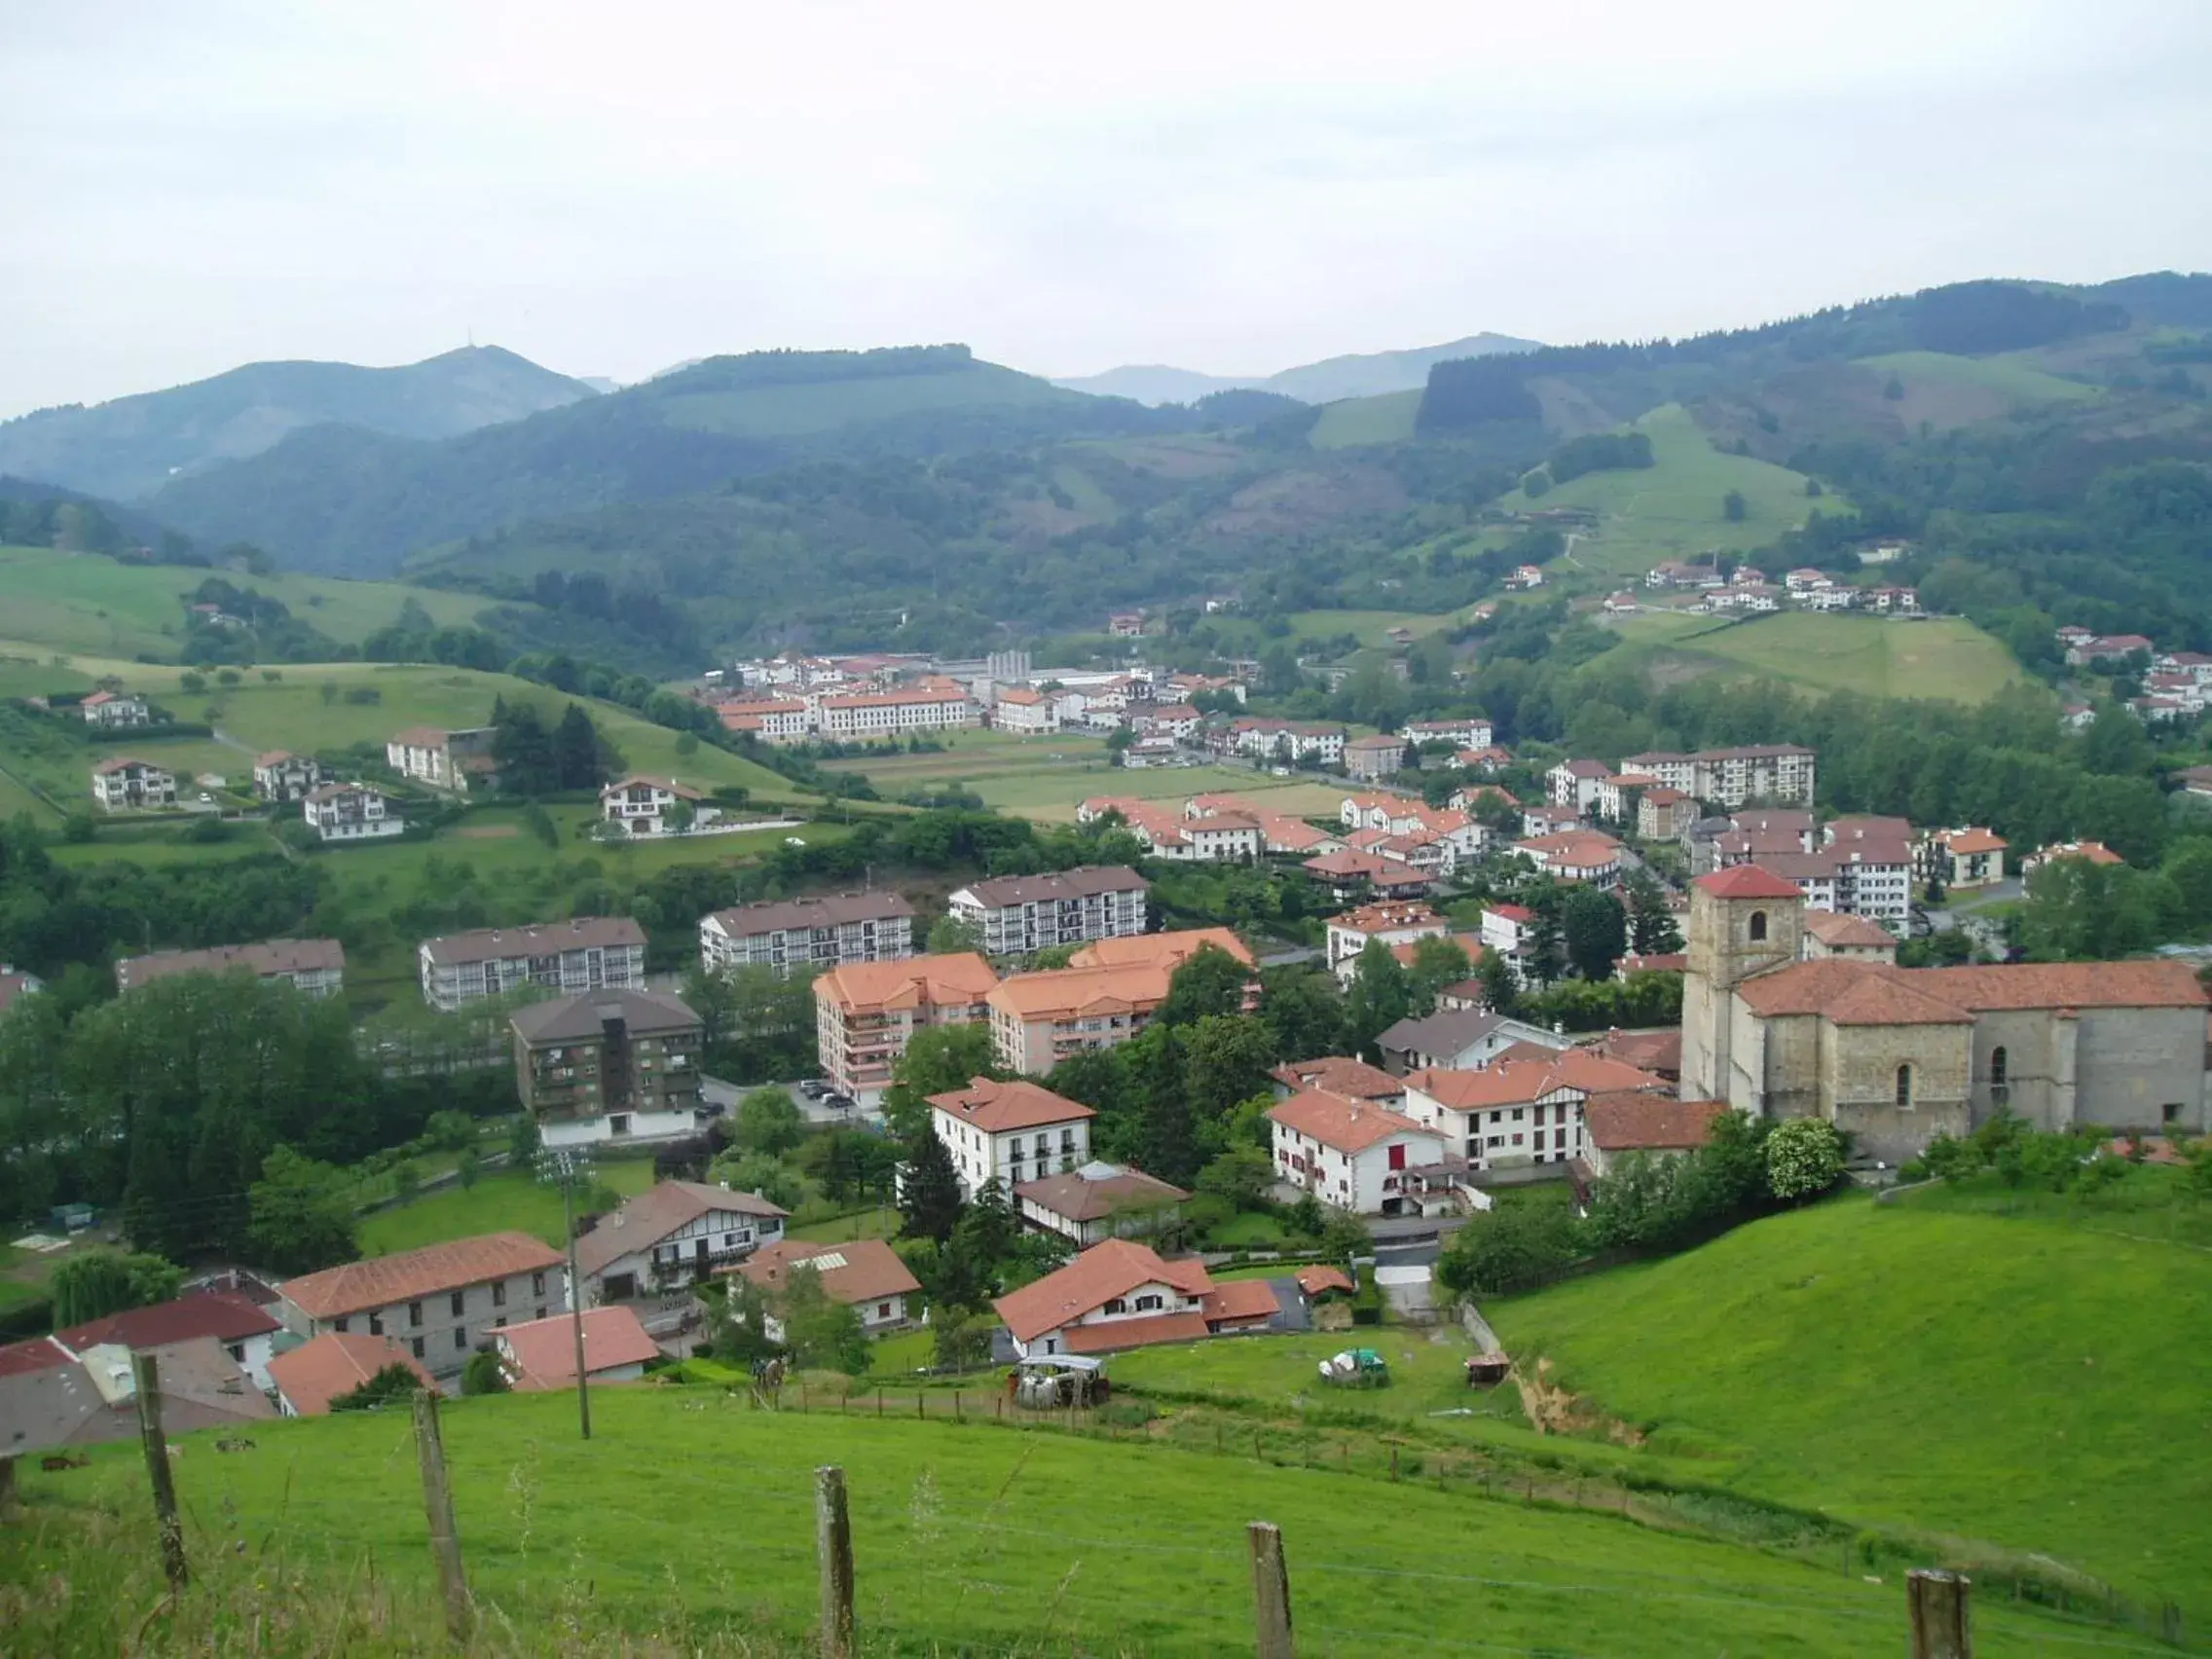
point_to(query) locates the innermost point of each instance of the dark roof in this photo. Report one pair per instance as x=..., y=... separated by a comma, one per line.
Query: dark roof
x=830, y=911
x=644, y=1220
x=583, y=1016
x=225, y=1317
x=540, y=939
x=269, y=957
x=1097, y=1191
x=1088, y=882
x=1446, y=1032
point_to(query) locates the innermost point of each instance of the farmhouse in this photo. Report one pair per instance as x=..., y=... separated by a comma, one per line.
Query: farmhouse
x=308, y=1378
x=652, y=806
x=808, y=935
x=121, y=783
x=314, y=966
x=609, y=1065
x=865, y=1012
x=350, y=812
x=1122, y=1295
x=443, y=1301
x=1009, y=1132
x=588, y=953
x=541, y=1355
x=864, y=1274
x=672, y=1234
x=281, y=777
x=1097, y=1202
x=112, y=711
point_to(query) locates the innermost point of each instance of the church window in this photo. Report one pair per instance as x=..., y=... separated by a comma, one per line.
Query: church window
x=2000, y=1076
x=1758, y=926
x=1905, y=1085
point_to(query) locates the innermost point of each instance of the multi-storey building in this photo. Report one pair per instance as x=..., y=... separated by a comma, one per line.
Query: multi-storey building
x=1470, y=732
x=1267, y=738
x=110, y=710
x=443, y=1301
x=772, y=719
x=1730, y=777
x=588, y=953
x=808, y=935
x=1018, y=709
x=1517, y=1112
x=865, y=1012
x=123, y=784
x=281, y=777
x=316, y=966
x=350, y=812
x=608, y=1066
x=1011, y=1132
x=456, y=761
x=862, y=715
x=1022, y=913
x=1107, y=994
x=1394, y=922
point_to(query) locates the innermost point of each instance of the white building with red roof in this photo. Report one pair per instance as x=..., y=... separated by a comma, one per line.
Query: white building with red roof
x=1012, y=1131
x=443, y=1301
x=1123, y=1295
x=539, y=1355
x=1353, y=1154
x=1515, y=1113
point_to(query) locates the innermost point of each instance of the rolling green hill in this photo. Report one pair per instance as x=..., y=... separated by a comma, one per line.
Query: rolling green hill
x=2037, y=1382
x=132, y=446
x=1945, y=657
x=1385, y=418
x=971, y=1538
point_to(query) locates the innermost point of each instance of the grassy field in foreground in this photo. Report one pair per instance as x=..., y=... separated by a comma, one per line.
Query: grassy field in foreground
x=2036, y=1384
x=970, y=1539
x=1673, y=509
x=1945, y=657
x=500, y=1201
x=85, y=602
x=1281, y=1373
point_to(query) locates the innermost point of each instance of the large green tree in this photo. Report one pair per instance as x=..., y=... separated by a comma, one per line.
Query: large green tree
x=94, y=1283
x=302, y=1215
x=1595, y=931
x=1380, y=996
x=1210, y=983
x=928, y=1197
x=937, y=1059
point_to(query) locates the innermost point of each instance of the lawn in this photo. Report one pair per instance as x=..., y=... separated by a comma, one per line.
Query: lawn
x=970, y=1539
x=1427, y=1376
x=1674, y=509
x=2034, y=1383
x=1942, y=658
x=500, y=1201
x=1385, y=418
x=867, y=1223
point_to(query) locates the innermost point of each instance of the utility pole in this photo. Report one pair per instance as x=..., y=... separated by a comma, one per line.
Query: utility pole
x=567, y=1165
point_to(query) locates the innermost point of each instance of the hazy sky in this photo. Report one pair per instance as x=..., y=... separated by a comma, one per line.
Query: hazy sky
x=1231, y=187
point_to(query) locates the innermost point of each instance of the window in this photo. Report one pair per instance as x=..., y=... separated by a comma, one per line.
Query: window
x=500, y=1323
x=1999, y=1075
x=415, y=1343
x=1757, y=926
x=538, y=1284
x=1398, y=1157
x=461, y=1341
x=456, y=1302
x=883, y=1310
x=376, y=1324
x=539, y=1314
x=1149, y=1304
x=499, y=1293
x=237, y=1351
x=341, y=1325
x=2171, y=1112
x=618, y=1122
x=1905, y=1085
x=415, y=1315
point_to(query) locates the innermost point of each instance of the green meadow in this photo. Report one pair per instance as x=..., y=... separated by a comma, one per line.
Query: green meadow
x=1942, y=658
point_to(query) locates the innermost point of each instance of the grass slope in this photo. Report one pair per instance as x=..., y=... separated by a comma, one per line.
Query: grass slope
x=2021, y=1380
x=1673, y=509
x=83, y=602
x=1946, y=657
x=1385, y=418
x=502, y=1201
x=969, y=1540
x=1950, y=391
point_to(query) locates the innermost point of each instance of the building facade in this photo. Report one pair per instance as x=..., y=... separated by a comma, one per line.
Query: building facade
x=350, y=812
x=609, y=1065
x=808, y=935
x=444, y=1301
x=281, y=777
x=649, y=807
x=314, y=966
x=588, y=953
x=867, y=1011
x=1018, y=914
x=126, y=784
x=1012, y=1132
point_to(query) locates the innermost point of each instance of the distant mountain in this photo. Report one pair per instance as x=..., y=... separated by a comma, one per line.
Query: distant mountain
x=130, y=448
x=1355, y=376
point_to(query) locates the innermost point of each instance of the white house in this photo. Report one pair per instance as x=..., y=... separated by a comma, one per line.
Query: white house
x=1018, y=709
x=1578, y=855
x=1123, y=1295
x=1574, y=783
x=1394, y=923
x=1469, y=732
x=350, y=812
x=1463, y=1039
x=865, y=1273
x=672, y=1234
x=1353, y=1154
x=281, y=777
x=1012, y=1131
x=1520, y=1111
x=539, y=1355
x=110, y=710
x=646, y=806
x=121, y=783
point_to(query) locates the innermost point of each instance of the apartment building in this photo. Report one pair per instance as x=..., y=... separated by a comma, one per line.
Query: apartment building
x=123, y=785
x=443, y=1301
x=112, y=711
x=316, y=966
x=1023, y=913
x=1576, y=855
x=772, y=719
x=1376, y=757
x=1107, y=994
x=859, y=715
x=1574, y=784
x=1520, y=1111
x=350, y=812
x=1012, y=1131
x=1470, y=732
x=609, y=1065
x=1030, y=714
x=281, y=777
x=1730, y=777
x=1394, y=923
x=455, y=760
x=1353, y=1154
x=1265, y=738
x=588, y=953
x=808, y=935
x=865, y=1012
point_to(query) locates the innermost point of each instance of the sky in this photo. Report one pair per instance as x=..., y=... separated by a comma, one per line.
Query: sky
x=1224, y=186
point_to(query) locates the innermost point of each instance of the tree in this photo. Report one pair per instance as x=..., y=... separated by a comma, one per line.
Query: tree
x=962, y=1341
x=1594, y=930
x=949, y=935
x=1501, y=993
x=1380, y=996
x=1651, y=924
x=576, y=750
x=468, y=1168
x=822, y=1333
x=523, y=749
x=939, y=1059
x=769, y=1122
x=301, y=1214
x=1804, y=1159
x=1438, y=962
x=394, y=1381
x=737, y=1326
x=1512, y=1247
x=1733, y=507
x=96, y=1283
x=1240, y=1177
x=771, y=1178
x=1304, y=1012
x=988, y=1228
x=1210, y=981
x=930, y=1202
x=484, y=1375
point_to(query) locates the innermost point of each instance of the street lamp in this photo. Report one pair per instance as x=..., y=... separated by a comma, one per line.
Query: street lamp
x=566, y=1167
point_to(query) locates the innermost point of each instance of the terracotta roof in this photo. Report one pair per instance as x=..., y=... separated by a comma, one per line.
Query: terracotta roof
x=1572, y=847
x=996, y=1107
x=1091, y=1194
x=1846, y=992
x=538, y=938
x=1092, y=1280
x=337, y=1362
x=1833, y=928
x=273, y=758
x=651, y=781
x=1648, y=1122
x=1347, y=1126
x=213, y=1314
x=38, y=1353
x=543, y=1351
x=2064, y=985
x=1748, y=881
x=1065, y=992
x=1398, y=917
x=360, y=1286
x=1657, y=1051
x=1584, y=768
x=1169, y=949
x=1320, y=1278
x=270, y=957
x=1340, y=1075
x=1238, y=1301
x=123, y=763
x=1518, y=1082
x=644, y=1220
x=1110, y=1336
x=960, y=977
x=861, y=1269
x=418, y=737
x=1974, y=840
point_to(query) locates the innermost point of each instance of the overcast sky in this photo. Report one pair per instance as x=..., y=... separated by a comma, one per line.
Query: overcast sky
x=1229, y=186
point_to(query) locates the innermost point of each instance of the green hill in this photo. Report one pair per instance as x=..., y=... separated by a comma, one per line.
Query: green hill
x=1946, y=657
x=132, y=446
x=1387, y=418
x=2036, y=1381
x=968, y=1537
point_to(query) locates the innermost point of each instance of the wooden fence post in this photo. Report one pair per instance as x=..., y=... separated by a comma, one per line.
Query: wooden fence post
x=1940, y=1627
x=1270, y=1591
x=146, y=1379
x=833, y=1546
x=437, y=1504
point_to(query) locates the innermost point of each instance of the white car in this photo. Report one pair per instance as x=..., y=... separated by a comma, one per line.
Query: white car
x=206, y=799
x=794, y=841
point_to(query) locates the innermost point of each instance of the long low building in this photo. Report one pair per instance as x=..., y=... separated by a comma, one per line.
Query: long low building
x=587, y=953
x=443, y=1301
x=316, y=966
x=808, y=935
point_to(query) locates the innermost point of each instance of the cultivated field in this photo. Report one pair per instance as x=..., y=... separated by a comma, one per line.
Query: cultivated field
x=2036, y=1381
x=1943, y=657
x=972, y=1538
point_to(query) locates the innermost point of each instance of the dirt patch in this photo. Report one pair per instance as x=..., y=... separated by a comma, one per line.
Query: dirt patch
x=1553, y=1410
x=486, y=831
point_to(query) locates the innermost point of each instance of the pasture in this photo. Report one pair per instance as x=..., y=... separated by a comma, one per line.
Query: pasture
x=1387, y=418
x=1877, y=656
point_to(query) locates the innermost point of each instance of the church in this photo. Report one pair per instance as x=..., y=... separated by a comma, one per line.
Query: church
x=1898, y=1055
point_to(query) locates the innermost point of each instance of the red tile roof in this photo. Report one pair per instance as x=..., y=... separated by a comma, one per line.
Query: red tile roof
x=337, y=1362
x=1110, y=1336
x=412, y=1274
x=1521, y=1082
x=213, y=1314
x=1321, y=1278
x=1349, y=1126
x=1237, y=1302
x=1340, y=1074
x=1092, y=1280
x=996, y=1107
x=1748, y=881
x=861, y=1269
x=543, y=1351
x=1649, y=1123
x=1847, y=992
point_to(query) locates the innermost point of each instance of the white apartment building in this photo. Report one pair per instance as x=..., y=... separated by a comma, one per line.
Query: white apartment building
x=123, y=785
x=1469, y=731
x=860, y=715
x=1353, y=1154
x=586, y=954
x=1268, y=739
x=808, y=935
x=281, y=777
x=1575, y=784
x=1014, y=1131
x=314, y=966
x=1394, y=923
x=454, y=761
x=350, y=812
x=1029, y=713
x=1023, y=913
x=1515, y=1113
x=1782, y=772
x=772, y=719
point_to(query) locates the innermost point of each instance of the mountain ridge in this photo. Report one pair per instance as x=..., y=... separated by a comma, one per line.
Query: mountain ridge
x=1356, y=373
